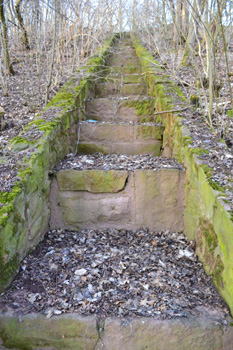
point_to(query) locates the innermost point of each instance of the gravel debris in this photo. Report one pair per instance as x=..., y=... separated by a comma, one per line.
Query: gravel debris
x=116, y=162
x=113, y=272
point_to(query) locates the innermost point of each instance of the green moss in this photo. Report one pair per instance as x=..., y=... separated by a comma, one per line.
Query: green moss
x=141, y=107
x=199, y=151
x=217, y=274
x=194, y=100
x=209, y=234
x=7, y=270
x=209, y=173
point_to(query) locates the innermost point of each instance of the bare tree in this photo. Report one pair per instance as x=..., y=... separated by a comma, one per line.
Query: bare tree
x=5, y=38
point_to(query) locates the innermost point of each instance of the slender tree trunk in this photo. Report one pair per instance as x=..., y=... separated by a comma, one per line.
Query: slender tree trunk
x=5, y=38
x=53, y=55
x=21, y=23
x=209, y=61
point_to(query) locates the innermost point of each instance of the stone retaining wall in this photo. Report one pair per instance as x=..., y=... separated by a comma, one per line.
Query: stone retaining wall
x=206, y=216
x=24, y=212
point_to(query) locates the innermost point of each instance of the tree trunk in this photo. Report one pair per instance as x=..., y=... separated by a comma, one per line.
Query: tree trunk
x=5, y=38
x=21, y=23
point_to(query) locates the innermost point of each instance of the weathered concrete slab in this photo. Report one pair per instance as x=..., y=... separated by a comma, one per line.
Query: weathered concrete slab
x=150, y=198
x=95, y=181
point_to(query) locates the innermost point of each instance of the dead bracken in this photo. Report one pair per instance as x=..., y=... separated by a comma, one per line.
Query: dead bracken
x=113, y=272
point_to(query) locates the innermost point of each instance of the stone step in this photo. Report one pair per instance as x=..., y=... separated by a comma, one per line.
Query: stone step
x=118, y=198
x=124, y=78
x=122, y=69
x=123, y=60
x=119, y=109
x=120, y=138
x=73, y=331
x=110, y=88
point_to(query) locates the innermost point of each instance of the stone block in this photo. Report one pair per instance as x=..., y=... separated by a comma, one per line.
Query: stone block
x=138, y=334
x=107, y=88
x=106, y=132
x=102, y=109
x=92, y=147
x=133, y=89
x=134, y=148
x=159, y=198
x=70, y=332
x=149, y=132
x=85, y=209
x=95, y=181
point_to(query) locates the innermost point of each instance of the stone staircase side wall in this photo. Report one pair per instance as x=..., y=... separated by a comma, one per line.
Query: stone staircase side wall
x=24, y=212
x=206, y=218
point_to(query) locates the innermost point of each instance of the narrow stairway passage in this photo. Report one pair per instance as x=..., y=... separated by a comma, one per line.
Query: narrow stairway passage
x=115, y=245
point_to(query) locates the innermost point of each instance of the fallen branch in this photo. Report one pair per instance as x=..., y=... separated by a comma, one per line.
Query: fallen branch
x=172, y=111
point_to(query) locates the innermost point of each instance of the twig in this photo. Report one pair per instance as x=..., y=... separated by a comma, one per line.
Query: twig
x=172, y=111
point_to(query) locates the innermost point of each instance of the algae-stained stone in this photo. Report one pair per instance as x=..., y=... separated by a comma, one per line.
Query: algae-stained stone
x=149, y=132
x=95, y=181
x=93, y=147
x=70, y=332
x=133, y=89
x=149, y=334
x=134, y=148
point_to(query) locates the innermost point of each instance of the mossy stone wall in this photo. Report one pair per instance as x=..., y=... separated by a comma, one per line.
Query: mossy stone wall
x=24, y=212
x=206, y=218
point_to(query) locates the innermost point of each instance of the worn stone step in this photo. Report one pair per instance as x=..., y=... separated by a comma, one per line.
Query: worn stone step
x=110, y=88
x=123, y=62
x=119, y=109
x=124, y=78
x=123, y=59
x=120, y=138
x=122, y=69
x=120, y=199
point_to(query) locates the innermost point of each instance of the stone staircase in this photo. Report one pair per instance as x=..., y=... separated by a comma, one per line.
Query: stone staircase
x=118, y=180
x=119, y=120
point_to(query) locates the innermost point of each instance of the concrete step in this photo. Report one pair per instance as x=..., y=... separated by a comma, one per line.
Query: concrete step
x=119, y=199
x=119, y=109
x=120, y=138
